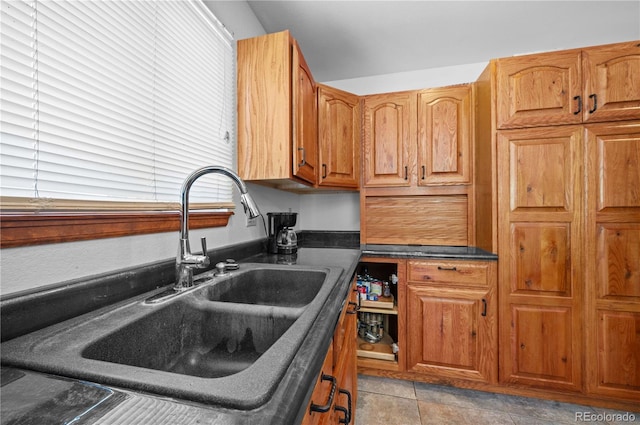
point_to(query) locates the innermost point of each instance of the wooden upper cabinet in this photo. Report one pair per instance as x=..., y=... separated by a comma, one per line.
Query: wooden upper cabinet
x=338, y=138
x=444, y=135
x=612, y=82
x=594, y=84
x=264, y=107
x=305, y=119
x=277, y=127
x=541, y=89
x=389, y=139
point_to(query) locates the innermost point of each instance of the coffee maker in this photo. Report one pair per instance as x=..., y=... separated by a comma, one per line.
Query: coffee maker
x=282, y=238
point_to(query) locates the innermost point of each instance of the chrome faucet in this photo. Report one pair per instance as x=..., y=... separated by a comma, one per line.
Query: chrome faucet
x=185, y=260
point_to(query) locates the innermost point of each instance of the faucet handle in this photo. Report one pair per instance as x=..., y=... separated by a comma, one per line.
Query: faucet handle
x=203, y=242
x=221, y=269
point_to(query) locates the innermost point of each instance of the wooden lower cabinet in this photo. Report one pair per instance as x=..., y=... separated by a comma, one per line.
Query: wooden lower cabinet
x=451, y=314
x=333, y=400
x=321, y=393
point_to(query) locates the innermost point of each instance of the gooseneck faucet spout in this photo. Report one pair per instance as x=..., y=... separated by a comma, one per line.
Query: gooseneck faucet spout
x=185, y=260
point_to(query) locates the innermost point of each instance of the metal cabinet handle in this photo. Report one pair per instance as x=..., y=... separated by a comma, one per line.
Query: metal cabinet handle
x=304, y=160
x=579, y=99
x=484, y=307
x=406, y=172
x=451, y=269
x=424, y=172
x=324, y=171
x=593, y=97
x=356, y=307
x=347, y=410
x=325, y=408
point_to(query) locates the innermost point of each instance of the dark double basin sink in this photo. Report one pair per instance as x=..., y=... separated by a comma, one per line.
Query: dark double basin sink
x=228, y=341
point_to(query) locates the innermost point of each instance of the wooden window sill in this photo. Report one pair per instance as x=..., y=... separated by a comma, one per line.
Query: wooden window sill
x=29, y=228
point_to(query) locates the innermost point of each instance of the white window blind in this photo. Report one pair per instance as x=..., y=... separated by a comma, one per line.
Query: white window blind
x=114, y=100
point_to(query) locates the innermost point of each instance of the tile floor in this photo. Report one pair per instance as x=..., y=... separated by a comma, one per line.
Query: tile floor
x=383, y=401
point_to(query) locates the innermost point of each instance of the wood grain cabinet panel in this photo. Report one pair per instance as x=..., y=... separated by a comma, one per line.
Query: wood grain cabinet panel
x=594, y=84
x=340, y=366
x=338, y=138
x=321, y=391
x=305, y=119
x=618, y=261
x=618, y=370
x=422, y=220
x=613, y=259
x=444, y=135
x=541, y=260
x=540, y=201
x=543, y=352
x=542, y=166
x=436, y=337
x=618, y=168
x=450, y=273
x=611, y=83
x=453, y=326
x=277, y=115
x=389, y=139
x=264, y=107
x=541, y=89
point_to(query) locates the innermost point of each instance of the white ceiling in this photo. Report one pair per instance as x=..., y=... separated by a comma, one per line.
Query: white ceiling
x=350, y=39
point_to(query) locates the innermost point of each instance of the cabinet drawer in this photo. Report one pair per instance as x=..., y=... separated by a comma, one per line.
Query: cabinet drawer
x=451, y=272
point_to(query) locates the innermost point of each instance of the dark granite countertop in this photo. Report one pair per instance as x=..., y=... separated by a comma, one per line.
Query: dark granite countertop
x=34, y=398
x=105, y=405
x=428, y=251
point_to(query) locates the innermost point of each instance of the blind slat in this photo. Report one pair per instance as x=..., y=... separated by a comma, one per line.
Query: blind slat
x=114, y=100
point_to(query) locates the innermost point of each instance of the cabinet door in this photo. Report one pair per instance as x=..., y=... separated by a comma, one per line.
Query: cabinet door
x=451, y=332
x=613, y=259
x=389, y=139
x=321, y=393
x=347, y=374
x=338, y=137
x=444, y=135
x=543, y=350
x=540, y=218
x=612, y=82
x=305, y=135
x=264, y=107
x=541, y=89
x=540, y=171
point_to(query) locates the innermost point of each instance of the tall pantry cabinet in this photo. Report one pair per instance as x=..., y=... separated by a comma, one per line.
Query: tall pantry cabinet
x=568, y=185
x=613, y=259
